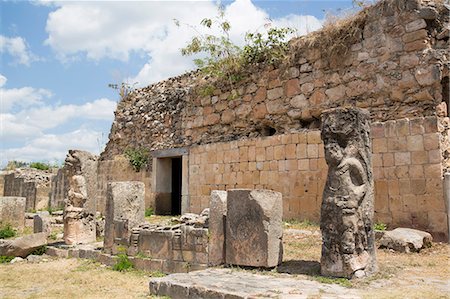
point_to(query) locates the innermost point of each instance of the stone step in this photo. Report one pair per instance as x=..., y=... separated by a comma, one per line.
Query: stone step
x=232, y=283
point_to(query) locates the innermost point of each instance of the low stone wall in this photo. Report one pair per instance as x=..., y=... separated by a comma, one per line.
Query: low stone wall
x=183, y=243
x=146, y=264
x=406, y=165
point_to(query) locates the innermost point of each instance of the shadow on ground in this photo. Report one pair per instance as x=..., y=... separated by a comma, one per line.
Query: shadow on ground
x=300, y=267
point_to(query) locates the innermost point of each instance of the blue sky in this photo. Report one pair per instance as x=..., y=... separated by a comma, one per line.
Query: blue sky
x=58, y=57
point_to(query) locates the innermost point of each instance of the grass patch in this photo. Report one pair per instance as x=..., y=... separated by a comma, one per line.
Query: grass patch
x=301, y=224
x=4, y=259
x=123, y=263
x=380, y=226
x=149, y=212
x=7, y=231
x=331, y=280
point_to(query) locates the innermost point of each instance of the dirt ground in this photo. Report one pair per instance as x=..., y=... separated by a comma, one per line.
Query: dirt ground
x=414, y=275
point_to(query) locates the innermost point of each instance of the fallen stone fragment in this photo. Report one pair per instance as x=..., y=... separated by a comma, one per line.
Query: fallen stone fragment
x=23, y=246
x=406, y=240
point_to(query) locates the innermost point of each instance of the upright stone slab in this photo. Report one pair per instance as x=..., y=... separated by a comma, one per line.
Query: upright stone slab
x=42, y=223
x=254, y=228
x=125, y=209
x=80, y=168
x=12, y=211
x=346, y=223
x=217, y=215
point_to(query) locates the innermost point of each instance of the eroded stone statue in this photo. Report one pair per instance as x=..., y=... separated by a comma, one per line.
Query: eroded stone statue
x=347, y=208
x=79, y=212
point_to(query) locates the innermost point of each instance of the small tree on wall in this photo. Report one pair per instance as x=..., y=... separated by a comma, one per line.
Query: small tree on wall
x=226, y=60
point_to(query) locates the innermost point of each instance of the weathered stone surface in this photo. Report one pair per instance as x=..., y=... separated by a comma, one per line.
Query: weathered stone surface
x=406, y=240
x=80, y=168
x=226, y=283
x=12, y=211
x=217, y=220
x=254, y=228
x=23, y=246
x=347, y=207
x=125, y=209
x=33, y=184
x=41, y=223
x=59, y=188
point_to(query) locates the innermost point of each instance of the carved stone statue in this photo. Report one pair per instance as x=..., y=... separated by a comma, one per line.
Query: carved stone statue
x=79, y=211
x=346, y=223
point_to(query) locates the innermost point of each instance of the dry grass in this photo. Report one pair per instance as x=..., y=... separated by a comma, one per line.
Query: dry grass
x=159, y=219
x=401, y=275
x=70, y=278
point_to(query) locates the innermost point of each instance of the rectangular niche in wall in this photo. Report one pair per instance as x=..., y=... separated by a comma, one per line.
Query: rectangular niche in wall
x=170, y=181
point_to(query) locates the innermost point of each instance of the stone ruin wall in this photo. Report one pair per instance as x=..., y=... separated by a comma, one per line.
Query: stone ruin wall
x=396, y=67
x=33, y=184
x=118, y=170
x=406, y=166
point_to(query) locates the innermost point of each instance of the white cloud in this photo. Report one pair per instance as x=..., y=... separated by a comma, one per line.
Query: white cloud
x=2, y=80
x=118, y=29
x=22, y=97
x=34, y=121
x=51, y=147
x=16, y=47
x=29, y=125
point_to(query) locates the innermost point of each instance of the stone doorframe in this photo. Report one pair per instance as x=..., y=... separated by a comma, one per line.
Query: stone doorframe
x=160, y=175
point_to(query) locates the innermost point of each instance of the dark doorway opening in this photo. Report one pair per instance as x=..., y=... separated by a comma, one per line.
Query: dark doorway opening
x=176, y=186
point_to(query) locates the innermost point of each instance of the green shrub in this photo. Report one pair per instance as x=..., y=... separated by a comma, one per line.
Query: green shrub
x=123, y=263
x=380, y=226
x=4, y=259
x=6, y=231
x=225, y=60
x=40, y=165
x=138, y=157
x=40, y=251
x=149, y=212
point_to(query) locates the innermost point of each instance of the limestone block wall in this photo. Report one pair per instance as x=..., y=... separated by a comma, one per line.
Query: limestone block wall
x=117, y=170
x=406, y=160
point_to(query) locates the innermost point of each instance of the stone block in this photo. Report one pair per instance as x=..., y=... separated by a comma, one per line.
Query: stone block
x=254, y=228
x=12, y=211
x=124, y=210
x=217, y=218
x=41, y=223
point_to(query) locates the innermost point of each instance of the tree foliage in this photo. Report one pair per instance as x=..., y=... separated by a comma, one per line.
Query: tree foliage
x=224, y=59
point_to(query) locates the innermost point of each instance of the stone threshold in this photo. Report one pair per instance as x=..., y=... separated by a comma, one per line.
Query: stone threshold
x=146, y=264
x=233, y=284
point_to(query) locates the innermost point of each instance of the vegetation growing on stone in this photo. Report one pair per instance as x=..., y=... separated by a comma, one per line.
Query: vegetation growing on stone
x=138, y=157
x=7, y=231
x=226, y=60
